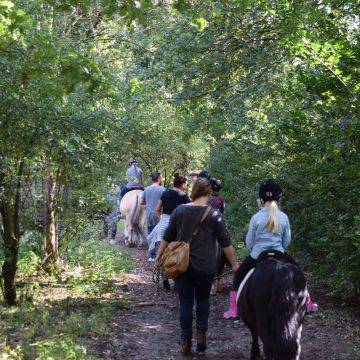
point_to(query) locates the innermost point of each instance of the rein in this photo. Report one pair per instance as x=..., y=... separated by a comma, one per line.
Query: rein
x=156, y=278
x=223, y=275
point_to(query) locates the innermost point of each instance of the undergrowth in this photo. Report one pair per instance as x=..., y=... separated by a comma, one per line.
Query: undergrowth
x=58, y=313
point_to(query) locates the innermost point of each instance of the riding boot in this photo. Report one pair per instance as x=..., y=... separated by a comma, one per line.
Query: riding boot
x=310, y=306
x=201, y=340
x=232, y=311
x=186, y=347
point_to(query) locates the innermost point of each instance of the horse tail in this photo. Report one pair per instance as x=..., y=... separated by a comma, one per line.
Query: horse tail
x=288, y=308
x=135, y=215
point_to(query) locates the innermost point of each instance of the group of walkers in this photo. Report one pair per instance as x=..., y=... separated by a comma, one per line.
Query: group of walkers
x=172, y=216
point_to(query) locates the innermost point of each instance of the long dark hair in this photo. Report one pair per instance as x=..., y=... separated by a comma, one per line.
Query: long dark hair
x=179, y=180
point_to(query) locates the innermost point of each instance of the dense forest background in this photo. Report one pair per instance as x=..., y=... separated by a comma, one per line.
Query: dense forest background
x=247, y=89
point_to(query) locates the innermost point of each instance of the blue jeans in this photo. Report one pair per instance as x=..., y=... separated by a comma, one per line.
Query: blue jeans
x=124, y=190
x=153, y=252
x=150, y=228
x=193, y=286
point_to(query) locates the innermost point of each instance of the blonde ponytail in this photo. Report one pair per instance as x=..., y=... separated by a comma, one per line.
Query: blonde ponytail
x=273, y=220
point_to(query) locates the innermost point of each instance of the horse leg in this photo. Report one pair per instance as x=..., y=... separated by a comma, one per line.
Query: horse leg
x=126, y=233
x=219, y=267
x=143, y=231
x=130, y=231
x=132, y=237
x=214, y=287
x=143, y=237
x=255, y=349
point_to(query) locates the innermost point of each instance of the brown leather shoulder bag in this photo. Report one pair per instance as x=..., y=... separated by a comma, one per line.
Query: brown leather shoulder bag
x=176, y=257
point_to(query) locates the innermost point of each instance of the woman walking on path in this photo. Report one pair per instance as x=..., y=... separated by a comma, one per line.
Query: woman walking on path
x=269, y=229
x=195, y=284
x=169, y=200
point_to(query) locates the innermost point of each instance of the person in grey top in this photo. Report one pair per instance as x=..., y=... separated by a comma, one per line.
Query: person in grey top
x=134, y=176
x=195, y=284
x=151, y=198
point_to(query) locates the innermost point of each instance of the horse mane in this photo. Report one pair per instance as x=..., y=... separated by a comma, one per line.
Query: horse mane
x=287, y=304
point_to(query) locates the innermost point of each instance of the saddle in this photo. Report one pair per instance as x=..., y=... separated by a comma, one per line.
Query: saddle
x=272, y=255
x=275, y=255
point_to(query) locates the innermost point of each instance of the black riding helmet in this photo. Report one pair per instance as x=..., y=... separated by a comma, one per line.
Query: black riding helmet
x=270, y=190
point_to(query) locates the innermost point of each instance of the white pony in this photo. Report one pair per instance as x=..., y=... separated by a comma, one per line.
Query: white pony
x=135, y=218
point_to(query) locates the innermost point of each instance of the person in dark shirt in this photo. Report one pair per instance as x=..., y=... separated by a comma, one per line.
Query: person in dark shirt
x=172, y=198
x=169, y=200
x=195, y=284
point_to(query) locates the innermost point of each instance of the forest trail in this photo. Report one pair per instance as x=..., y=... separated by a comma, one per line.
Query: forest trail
x=148, y=329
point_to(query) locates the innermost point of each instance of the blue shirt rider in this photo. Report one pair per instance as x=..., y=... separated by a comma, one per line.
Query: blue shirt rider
x=134, y=176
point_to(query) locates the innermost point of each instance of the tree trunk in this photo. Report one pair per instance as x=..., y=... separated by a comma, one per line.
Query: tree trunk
x=50, y=238
x=11, y=252
x=10, y=213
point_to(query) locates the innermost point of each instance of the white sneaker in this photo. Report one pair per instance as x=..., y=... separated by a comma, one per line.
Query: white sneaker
x=151, y=259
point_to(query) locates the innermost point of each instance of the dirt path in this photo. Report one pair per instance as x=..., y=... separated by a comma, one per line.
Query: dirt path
x=149, y=329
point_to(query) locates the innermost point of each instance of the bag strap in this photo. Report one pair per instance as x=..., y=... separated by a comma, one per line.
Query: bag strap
x=206, y=213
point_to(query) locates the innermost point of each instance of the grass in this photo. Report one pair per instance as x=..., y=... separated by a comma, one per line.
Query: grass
x=59, y=314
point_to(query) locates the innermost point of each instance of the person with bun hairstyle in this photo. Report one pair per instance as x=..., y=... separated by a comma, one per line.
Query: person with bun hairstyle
x=195, y=284
x=169, y=200
x=269, y=229
x=216, y=201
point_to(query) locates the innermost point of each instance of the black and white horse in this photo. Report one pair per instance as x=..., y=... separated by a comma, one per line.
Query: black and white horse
x=272, y=304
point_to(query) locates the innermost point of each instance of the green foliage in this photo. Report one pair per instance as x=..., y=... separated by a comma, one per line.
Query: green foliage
x=60, y=347
x=51, y=334
x=247, y=89
x=29, y=262
x=95, y=262
x=80, y=325
x=273, y=88
x=74, y=304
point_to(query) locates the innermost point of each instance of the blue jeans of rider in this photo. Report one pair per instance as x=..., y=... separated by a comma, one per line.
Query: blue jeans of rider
x=193, y=286
x=150, y=228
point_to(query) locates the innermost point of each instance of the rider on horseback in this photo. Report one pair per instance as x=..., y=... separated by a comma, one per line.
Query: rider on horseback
x=134, y=176
x=269, y=229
